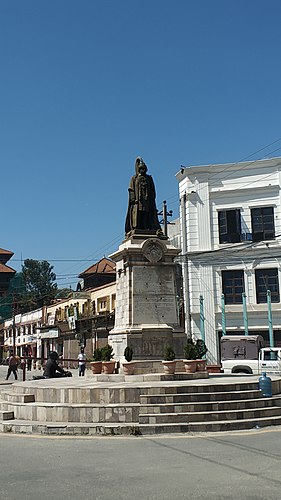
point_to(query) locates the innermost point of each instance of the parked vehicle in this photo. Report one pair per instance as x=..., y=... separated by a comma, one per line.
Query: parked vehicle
x=247, y=354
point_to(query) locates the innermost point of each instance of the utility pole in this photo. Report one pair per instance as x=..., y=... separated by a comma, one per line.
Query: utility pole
x=185, y=266
x=14, y=325
x=165, y=213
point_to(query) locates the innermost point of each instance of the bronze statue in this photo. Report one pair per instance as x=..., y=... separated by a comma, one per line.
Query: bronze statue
x=142, y=213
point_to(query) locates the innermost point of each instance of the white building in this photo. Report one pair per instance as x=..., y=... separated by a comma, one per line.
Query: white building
x=231, y=234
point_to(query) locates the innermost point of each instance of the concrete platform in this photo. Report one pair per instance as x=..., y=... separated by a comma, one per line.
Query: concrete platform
x=135, y=405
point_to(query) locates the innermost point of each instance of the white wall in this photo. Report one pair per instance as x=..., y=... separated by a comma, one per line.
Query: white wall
x=219, y=187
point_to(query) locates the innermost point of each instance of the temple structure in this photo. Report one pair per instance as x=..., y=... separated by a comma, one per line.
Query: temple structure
x=6, y=272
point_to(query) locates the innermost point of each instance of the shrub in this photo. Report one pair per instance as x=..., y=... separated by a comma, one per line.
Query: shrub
x=190, y=350
x=169, y=353
x=97, y=356
x=128, y=353
x=201, y=348
x=107, y=353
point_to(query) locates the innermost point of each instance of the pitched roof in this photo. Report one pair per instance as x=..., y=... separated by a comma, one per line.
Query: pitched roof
x=6, y=269
x=101, y=267
x=6, y=252
x=5, y=255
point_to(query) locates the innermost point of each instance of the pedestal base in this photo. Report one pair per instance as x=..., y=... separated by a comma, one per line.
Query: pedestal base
x=146, y=308
x=147, y=344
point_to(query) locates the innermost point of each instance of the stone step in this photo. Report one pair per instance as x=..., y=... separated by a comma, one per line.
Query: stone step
x=196, y=417
x=220, y=426
x=57, y=391
x=158, y=398
x=14, y=397
x=110, y=429
x=6, y=415
x=87, y=395
x=200, y=388
x=71, y=429
x=69, y=412
x=209, y=406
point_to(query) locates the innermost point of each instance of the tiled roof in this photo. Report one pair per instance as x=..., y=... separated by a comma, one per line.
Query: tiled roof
x=6, y=252
x=6, y=269
x=5, y=255
x=101, y=267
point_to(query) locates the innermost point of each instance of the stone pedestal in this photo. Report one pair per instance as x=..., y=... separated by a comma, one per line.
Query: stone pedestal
x=146, y=311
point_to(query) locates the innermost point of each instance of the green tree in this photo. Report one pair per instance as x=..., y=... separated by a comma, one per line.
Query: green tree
x=12, y=301
x=40, y=285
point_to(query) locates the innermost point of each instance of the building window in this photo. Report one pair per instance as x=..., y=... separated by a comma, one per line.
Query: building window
x=229, y=226
x=93, y=307
x=102, y=304
x=263, y=223
x=267, y=279
x=233, y=286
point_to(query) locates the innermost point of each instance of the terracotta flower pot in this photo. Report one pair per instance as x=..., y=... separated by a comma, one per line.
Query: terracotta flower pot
x=128, y=367
x=108, y=367
x=169, y=367
x=96, y=367
x=190, y=365
x=201, y=365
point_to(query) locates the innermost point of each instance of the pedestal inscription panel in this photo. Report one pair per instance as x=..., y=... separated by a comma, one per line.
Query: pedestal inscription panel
x=154, y=300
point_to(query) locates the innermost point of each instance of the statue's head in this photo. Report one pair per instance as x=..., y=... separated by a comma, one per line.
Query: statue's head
x=140, y=165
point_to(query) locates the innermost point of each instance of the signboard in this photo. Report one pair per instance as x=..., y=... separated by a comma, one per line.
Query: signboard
x=51, y=320
x=72, y=316
x=49, y=334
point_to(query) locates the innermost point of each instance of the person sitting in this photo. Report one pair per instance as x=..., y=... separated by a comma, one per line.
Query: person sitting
x=52, y=369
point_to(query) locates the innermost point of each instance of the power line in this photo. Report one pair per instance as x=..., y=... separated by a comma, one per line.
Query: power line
x=57, y=260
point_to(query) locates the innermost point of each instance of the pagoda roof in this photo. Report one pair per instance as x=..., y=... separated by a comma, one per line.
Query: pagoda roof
x=7, y=252
x=5, y=255
x=6, y=269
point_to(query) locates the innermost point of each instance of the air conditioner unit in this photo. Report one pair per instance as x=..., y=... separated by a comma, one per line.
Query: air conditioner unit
x=246, y=237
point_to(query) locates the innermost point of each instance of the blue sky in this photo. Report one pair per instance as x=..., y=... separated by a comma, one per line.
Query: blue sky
x=88, y=85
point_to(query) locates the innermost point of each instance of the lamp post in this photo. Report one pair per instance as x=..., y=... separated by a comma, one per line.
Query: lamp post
x=245, y=315
x=269, y=314
x=223, y=322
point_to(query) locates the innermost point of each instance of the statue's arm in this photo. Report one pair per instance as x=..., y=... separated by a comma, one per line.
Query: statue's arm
x=132, y=191
x=152, y=187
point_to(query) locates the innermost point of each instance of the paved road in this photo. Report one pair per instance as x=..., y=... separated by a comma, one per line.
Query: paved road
x=243, y=465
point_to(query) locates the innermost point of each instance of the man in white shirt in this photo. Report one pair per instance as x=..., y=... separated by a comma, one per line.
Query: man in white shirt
x=82, y=362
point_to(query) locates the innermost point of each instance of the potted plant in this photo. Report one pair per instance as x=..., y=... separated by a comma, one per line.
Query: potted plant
x=201, y=351
x=169, y=363
x=108, y=364
x=96, y=364
x=128, y=365
x=191, y=355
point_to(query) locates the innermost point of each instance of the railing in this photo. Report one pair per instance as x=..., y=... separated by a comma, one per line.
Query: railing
x=23, y=362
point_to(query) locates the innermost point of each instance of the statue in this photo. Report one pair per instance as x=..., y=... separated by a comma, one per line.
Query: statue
x=142, y=213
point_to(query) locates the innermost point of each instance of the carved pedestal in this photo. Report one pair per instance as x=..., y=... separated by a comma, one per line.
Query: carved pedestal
x=146, y=312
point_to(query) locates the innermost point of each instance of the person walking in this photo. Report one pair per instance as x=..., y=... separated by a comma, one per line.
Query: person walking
x=13, y=366
x=81, y=362
x=29, y=361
